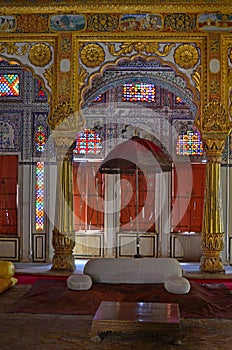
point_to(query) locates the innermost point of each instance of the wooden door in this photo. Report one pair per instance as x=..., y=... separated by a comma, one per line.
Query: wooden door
x=187, y=200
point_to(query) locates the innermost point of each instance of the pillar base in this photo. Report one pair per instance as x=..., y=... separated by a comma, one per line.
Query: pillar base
x=63, y=263
x=211, y=265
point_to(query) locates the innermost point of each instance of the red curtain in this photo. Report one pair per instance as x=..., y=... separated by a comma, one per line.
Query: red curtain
x=88, y=190
x=144, y=220
x=8, y=194
x=188, y=202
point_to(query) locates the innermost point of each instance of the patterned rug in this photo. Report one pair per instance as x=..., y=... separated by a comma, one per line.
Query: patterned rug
x=53, y=297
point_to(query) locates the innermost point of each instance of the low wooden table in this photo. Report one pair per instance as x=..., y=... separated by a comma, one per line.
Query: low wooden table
x=125, y=317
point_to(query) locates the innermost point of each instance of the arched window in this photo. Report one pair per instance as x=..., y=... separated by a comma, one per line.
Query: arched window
x=88, y=142
x=139, y=92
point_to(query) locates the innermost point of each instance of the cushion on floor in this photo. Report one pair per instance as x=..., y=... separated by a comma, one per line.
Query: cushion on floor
x=6, y=283
x=7, y=269
x=79, y=282
x=177, y=285
x=131, y=270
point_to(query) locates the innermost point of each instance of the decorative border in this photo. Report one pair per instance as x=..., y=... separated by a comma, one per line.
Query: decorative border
x=11, y=244
x=39, y=247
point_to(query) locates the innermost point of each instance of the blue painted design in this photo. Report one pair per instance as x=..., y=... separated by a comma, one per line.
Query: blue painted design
x=132, y=22
x=67, y=22
x=7, y=23
x=215, y=22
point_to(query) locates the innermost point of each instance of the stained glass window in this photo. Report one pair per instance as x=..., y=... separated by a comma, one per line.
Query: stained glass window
x=189, y=144
x=139, y=92
x=9, y=84
x=99, y=98
x=39, y=217
x=40, y=139
x=88, y=142
x=179, y=100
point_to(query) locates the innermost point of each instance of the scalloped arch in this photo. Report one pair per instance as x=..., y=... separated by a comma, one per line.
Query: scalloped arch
x=169, y=79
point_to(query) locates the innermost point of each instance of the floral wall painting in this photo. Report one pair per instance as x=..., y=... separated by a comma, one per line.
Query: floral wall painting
x=7, y=23
x=215, y=22
x=131, y=22
x=67, y=22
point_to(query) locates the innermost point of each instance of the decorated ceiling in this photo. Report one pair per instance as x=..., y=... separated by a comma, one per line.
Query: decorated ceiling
x=82, y=49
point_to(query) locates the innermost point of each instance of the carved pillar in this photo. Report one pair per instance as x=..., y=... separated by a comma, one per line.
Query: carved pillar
x=65, y=124
x=214, y=127
x=212, y=230
x=63, y=239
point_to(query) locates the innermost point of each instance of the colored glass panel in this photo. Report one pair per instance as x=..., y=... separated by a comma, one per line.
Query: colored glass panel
x=179, y=100
x=139, y=92
x=40, y=139
x=88, y=142
x=39, y=216
x=99, y=98
x=40, y=94
x=189, y=144
x=9, y=85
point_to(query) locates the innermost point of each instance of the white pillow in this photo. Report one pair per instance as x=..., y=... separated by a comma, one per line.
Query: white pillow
x=177, y=285
x=79, y=282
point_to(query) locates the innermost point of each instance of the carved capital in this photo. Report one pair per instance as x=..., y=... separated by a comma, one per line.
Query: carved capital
x=64, y=119
x=214, y=148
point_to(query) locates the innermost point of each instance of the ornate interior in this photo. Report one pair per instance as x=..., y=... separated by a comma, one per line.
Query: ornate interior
x=111, y=71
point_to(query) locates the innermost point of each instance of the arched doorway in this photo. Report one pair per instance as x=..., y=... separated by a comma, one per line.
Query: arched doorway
x=24, y=108
x=127, y=99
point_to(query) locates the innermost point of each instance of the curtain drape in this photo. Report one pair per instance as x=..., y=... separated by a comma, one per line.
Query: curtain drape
x=88, y=190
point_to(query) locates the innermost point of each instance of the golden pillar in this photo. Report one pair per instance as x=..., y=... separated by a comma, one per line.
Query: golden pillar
x=65, y=124
x=214, y=127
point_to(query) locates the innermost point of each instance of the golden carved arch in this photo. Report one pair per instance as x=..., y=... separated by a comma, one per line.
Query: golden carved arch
x=85, y=87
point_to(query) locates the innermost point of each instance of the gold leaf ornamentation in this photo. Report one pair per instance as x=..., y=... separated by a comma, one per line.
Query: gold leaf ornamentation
x=103, y=22
x=82, y=76
x=230, y=56
x=32, y=23
x=62, y=111
x=92, y=55
x=40, y=55
x=48, y=74
x=196, y=76
x=214, y=117
x=186, y=56
x=230, y=78
x=13, y=49
x=148, y=48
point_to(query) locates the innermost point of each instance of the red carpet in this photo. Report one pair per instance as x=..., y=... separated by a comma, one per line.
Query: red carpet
x=53, y=296
x=31, y=279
